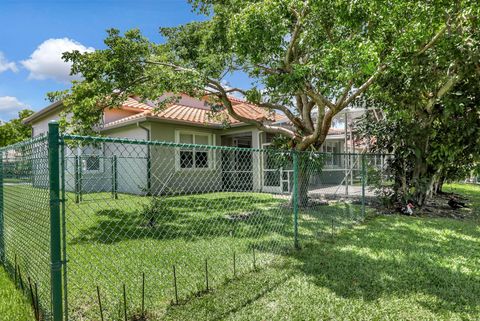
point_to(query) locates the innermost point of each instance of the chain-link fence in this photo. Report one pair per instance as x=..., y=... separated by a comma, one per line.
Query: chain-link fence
x=108, y=228
x=25, y=219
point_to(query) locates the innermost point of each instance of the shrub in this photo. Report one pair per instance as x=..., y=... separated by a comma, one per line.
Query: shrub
x=155, y=210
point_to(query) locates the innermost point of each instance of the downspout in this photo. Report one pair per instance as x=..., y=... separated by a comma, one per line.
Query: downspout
x=149, y=164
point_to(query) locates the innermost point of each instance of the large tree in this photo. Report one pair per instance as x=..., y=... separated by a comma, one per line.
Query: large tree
x=306, y=59
x=432, y=108
x=14, y=130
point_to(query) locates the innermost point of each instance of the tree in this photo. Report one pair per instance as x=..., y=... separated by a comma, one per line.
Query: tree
x=15, y=131
x=307, y=59
x=432, y=122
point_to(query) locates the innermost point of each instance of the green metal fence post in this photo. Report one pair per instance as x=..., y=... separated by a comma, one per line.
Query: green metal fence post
x=363, y=185
x=114, y=177
x=80, y=178
x=64, y=228
x=77, y=178
x=295, y=198
x=55, y=221
x=2, y=232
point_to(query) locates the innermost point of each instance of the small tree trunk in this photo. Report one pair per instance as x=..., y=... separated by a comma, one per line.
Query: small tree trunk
x=303, y=184
x=441, y=181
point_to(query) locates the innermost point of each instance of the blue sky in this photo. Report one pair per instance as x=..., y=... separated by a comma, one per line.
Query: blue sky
x=34, y=32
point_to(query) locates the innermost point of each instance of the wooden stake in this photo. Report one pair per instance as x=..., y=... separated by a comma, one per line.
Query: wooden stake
x=16, y=270
x=206, y=273
x=234, y=266
x=143, y=295
x=333, y=231
x=100, y=303
x=32, y=296
x=36, y=300
x=125, y=302
x=21, y=280
x=175, y=284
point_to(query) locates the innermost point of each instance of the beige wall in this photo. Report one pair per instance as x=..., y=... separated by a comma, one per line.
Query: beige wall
x=110, y=115
x=168, y=178
x=132, y=173
x=40, y=126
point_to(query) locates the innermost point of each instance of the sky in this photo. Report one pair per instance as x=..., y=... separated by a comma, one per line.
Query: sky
x=34, y=33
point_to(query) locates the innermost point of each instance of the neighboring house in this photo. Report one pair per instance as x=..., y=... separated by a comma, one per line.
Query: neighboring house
x=157, y=170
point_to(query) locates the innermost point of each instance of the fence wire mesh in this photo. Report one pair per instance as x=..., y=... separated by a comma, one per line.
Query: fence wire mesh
x=334, y=189
x=136, y=211
x=148, y=224
x=25, y=224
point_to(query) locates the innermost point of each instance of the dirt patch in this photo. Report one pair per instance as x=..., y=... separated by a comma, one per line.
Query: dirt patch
x=438, y=206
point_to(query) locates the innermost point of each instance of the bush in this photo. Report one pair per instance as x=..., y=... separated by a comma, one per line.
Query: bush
x=157, y=209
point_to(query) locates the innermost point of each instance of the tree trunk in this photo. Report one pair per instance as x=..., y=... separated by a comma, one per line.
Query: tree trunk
x=303, y=184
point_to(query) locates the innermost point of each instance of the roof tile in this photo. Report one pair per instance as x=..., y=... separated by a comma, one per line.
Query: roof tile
x=196, y=115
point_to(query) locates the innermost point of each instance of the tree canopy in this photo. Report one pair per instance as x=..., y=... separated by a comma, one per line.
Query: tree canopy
x=306, y=59
x=431, y=105
x=14, y=130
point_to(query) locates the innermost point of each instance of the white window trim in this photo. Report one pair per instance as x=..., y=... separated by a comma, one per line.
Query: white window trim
x=83, y=161
x=211, y=154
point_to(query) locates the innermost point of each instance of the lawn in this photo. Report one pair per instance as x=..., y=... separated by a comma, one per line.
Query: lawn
x=13, y=305
x=389, y=267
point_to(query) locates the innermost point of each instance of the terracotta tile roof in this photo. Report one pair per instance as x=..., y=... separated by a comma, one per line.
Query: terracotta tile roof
x=195, y=115
x=127, y=119
x=186, y=113
x=133, y=103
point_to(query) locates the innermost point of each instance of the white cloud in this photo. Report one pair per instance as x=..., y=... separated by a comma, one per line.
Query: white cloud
x=6, y=65
x=46, y=61
x=11, y=104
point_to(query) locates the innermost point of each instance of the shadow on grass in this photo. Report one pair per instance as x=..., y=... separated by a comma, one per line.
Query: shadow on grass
x=187, y=218
x=398, y=257
x=398, y=261
x=231, y=298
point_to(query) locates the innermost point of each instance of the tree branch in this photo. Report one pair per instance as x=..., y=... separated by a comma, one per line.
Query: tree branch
x=295, y=35
x=432, y=41
x=363, y=87
x=319, y=98
x=223, y=96
x=344, y=94
x=307, y=112
x=445, y=88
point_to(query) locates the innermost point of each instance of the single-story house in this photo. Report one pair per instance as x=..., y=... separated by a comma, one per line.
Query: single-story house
x=141, y=169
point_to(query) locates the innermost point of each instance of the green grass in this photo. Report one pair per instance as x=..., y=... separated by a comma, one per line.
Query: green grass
x=390, y=267
x=393, y=268
x=472, y=192
x=13, y=305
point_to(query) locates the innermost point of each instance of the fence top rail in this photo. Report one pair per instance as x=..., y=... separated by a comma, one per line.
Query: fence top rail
x=103, y=139
x=27, y=142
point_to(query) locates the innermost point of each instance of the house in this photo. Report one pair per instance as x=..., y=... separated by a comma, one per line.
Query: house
x=146, y=169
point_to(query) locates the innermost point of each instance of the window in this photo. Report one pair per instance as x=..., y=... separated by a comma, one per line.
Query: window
x=194, y=158
x=332, y=148
x=91, y=163
x=91, y=158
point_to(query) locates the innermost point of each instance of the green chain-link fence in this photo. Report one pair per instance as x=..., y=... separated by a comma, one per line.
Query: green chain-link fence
x=134, y=226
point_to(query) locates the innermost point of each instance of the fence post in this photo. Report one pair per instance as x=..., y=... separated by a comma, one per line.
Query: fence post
x=295, y=198
x=2, y=231
x=77, y=177
x=363, y=185
x=114, y=177
x=55, y=221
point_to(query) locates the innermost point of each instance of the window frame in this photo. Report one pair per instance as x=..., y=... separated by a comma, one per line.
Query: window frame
x=211, y=142
x=83, y=159
x=329, y=149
